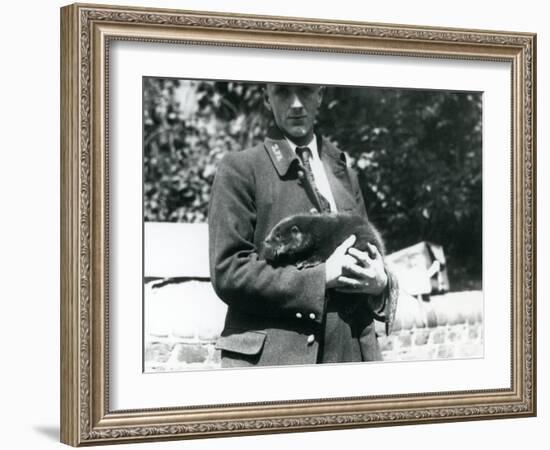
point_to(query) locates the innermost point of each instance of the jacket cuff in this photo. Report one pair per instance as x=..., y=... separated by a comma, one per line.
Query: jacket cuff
x=386, y=313
x=314, y=290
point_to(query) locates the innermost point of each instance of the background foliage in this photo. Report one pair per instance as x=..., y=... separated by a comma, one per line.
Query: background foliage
x=417, y=153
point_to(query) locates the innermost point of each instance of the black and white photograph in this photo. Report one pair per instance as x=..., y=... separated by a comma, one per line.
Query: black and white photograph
x=298, y=224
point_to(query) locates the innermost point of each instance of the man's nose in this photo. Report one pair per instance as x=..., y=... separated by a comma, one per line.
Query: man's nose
x=296, y=102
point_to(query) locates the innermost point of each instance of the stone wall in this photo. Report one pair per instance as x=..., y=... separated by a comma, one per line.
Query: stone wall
x=183, y=320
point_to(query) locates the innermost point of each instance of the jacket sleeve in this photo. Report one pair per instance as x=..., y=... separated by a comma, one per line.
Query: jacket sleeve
x=390, y=294
x=240, y=278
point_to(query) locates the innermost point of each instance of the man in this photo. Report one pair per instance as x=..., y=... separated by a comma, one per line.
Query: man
x=286, y=315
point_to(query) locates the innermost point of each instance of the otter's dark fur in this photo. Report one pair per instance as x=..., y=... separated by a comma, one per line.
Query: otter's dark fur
x=305, y=240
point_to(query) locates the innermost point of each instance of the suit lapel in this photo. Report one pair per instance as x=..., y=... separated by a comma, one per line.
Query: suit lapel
x=279, y=152
x=335, y=164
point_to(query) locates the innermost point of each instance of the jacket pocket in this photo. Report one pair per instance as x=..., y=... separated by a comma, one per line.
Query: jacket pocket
x=241, y=341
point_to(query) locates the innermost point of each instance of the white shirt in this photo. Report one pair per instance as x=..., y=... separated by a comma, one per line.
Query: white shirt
x=319, y=174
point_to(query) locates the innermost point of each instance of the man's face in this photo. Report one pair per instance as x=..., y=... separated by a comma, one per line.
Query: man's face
x=294, y=109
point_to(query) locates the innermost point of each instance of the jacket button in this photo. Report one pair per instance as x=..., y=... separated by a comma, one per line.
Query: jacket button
x=298, y=315
x=312, y=316
x=310, y=339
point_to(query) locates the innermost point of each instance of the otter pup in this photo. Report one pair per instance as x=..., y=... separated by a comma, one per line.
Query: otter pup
x=305, y=240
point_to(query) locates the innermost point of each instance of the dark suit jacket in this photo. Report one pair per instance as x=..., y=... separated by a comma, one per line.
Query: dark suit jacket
x=279, y=316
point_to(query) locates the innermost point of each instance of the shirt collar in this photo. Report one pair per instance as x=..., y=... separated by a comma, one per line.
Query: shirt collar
x=312, y=146
x=282, y=151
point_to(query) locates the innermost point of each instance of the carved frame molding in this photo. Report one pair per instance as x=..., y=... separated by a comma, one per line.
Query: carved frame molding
x=86, y=31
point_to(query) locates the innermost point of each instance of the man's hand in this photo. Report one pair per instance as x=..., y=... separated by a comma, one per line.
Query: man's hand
x=366, y=275
x=353, y=271
x=334, y=266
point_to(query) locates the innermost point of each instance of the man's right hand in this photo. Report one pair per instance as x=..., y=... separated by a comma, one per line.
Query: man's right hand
x=337, y=261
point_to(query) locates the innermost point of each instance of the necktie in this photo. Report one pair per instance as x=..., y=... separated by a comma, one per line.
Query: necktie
x=321, y=203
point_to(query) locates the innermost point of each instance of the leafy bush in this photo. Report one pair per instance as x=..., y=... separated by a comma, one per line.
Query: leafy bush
x=188, y=127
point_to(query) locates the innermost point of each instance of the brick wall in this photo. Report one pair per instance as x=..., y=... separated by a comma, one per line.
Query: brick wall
x=446, y=326
x=183, y=320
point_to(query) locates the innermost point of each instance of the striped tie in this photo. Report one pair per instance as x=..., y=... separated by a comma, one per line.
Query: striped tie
x=321, y=203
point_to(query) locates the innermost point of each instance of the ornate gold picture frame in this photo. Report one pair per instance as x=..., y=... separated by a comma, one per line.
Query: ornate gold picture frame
x=87, y=33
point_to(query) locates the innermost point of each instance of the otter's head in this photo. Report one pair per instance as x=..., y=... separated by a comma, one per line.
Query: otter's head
x=286, y=243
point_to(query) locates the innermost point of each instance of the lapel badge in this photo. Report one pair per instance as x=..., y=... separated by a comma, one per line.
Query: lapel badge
x=277, y=151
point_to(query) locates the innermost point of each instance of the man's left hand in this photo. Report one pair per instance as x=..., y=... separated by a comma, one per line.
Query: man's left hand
x=366, y=275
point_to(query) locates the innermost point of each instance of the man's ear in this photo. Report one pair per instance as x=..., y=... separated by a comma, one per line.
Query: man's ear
x=320, y=93
x=266, y=99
